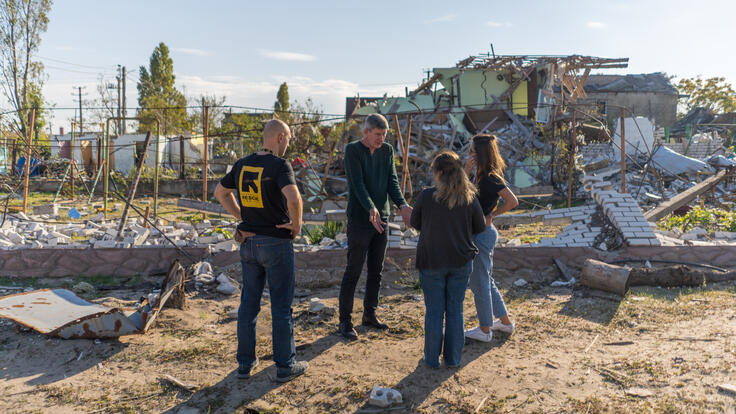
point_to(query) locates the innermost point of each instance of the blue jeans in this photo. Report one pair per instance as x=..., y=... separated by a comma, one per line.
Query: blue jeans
x=488, y=300
x=267, y=258
x=444, y=292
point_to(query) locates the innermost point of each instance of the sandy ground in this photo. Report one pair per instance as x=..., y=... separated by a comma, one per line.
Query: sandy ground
x=574, y=350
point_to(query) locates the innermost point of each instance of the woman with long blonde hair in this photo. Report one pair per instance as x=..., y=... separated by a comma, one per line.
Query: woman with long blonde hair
x=447, y=215
x=489, y=166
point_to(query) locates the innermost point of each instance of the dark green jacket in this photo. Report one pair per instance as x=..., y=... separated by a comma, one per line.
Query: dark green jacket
x=372, y=180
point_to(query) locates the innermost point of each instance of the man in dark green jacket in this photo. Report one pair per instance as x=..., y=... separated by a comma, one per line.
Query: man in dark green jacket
x=372, y=181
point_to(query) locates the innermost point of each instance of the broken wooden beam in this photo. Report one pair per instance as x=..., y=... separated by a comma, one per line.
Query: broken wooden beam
x=686, y=196
x=201, y=206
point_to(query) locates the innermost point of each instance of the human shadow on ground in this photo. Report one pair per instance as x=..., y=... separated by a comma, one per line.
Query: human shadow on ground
x=231, y=393
x=418, y=385
x=45, y=360
x=592, y=305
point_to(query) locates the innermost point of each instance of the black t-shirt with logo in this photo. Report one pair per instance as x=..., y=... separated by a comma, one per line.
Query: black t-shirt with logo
x=258, y=180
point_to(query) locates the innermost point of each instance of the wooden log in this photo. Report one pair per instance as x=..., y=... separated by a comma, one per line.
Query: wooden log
x=617, y=279
x=602, y=276
x=680, y=275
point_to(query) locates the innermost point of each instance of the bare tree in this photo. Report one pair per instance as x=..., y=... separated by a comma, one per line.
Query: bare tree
x=21, y=25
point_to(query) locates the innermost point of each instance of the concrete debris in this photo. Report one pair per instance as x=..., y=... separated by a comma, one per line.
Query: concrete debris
x=29, y=232
x=384, y=397
x=520, y=283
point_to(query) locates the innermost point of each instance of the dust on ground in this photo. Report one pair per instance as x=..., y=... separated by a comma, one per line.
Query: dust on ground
x=574, y=350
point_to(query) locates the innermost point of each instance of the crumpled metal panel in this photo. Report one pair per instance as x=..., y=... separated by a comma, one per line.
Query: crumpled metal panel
x=59, y=312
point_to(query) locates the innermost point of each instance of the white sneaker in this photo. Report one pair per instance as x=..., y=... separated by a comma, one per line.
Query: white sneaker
x=501, y=327
x=479, y=335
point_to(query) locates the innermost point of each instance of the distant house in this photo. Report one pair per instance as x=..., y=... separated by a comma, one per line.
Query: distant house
x=650, y=95
x=85, y=148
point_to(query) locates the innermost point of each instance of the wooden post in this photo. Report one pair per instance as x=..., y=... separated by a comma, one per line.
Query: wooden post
x=15, y=155
x=571, y=165
x=204, y=171
x=133, y=187
x=181, y=157
x=623, y=153
x=145, y=217
x=405, y=175
x=29, y=142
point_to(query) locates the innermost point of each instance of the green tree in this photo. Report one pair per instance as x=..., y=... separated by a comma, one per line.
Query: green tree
x=245, y=131
x=21, y=24
x=281, y=106
x=157, y=96
x=307, y=136
x=712, y=93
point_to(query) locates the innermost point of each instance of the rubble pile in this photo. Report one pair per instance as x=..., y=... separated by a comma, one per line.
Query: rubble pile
x=33, y=232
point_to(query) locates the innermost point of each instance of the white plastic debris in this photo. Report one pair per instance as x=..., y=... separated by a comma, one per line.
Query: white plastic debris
x=315, y=305
x=520, y=283
x=203, y=273
x=227, y=285
x=558, y=283
x=384, y=397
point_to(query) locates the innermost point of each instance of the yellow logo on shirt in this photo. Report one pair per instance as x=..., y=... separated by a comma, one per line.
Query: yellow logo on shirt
x=250, y=187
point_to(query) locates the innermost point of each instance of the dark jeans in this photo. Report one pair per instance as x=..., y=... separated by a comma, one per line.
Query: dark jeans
x=444, y=292
x=267, y=258
x=363, y=241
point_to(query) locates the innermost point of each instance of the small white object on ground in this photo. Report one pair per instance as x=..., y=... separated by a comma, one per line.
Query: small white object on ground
x=384, y=397
x=557, y=283
x=315, y=305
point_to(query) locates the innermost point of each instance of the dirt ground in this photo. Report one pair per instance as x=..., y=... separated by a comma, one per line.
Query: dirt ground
x=574, y=350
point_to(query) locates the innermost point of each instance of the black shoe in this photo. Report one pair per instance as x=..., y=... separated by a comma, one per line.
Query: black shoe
x=244, y=370
x=347, y=331
x=371, y=320
x=296, y=370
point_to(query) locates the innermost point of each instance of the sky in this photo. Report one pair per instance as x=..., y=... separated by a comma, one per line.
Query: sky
x=328, y=50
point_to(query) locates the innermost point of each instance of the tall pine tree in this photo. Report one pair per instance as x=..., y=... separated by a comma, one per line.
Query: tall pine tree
x=157, y=96
x=281, y=106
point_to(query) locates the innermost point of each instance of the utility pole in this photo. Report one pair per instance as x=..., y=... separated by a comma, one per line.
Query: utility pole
x=120, y=121
x=125, y=106
x=81, y=124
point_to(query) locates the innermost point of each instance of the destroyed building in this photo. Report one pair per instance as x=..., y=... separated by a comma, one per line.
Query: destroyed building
x=523, y=100
x=649, y=95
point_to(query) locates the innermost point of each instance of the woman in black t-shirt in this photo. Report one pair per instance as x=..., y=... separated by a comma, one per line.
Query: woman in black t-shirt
x=489, y=167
